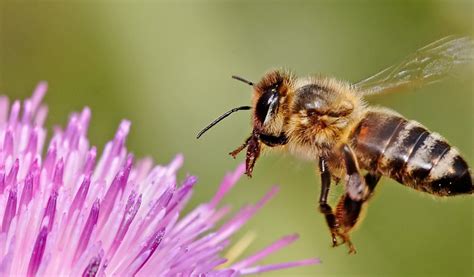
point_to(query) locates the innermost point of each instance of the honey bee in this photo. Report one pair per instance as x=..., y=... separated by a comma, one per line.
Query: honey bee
x=327, y=121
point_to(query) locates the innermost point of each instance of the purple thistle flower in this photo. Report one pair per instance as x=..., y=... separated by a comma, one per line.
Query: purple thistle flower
x=72, y=212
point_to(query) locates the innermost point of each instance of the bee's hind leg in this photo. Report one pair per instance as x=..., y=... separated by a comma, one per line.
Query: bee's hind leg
x=358, y=191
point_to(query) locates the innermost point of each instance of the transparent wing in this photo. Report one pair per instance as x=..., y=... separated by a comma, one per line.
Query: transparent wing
x=428, y=64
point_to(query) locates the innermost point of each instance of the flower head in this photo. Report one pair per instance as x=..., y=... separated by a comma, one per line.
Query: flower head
x=71, y=212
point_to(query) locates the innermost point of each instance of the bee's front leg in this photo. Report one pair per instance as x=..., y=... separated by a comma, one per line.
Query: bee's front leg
x=253, y=152
x=358, y=190
x=253, y=147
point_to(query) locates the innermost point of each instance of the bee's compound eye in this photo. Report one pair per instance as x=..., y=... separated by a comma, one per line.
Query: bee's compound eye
x=266, y=105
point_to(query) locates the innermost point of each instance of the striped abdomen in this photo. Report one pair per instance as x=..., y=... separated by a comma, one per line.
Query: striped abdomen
x=409, y=153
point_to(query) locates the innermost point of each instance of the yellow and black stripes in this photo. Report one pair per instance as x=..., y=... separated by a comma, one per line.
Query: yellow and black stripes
x=407, y=152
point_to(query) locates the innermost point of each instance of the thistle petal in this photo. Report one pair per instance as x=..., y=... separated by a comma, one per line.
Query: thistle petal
x=90, y=214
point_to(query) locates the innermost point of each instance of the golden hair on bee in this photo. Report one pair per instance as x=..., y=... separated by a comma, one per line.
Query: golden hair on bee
x=281, y=78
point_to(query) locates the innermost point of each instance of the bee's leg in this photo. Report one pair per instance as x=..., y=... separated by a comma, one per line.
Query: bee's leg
x=240, y=148
x=253, y=152
x=371, y=179
x=324, y=207
x=358, y=191
x=254, y=147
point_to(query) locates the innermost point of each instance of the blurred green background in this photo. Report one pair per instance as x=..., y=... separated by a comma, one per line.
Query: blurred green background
x=166, y=66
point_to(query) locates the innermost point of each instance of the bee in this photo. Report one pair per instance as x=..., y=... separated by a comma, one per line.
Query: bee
x=327, y=121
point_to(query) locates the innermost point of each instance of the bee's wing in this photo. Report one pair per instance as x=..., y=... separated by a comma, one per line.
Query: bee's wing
x=428, y=64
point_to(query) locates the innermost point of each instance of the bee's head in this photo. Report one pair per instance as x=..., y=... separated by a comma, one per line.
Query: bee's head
x=269, y=102
x=268, y=99
x=268, y=106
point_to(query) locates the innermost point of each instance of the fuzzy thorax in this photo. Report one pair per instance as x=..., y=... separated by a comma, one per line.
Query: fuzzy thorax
x=322, y=113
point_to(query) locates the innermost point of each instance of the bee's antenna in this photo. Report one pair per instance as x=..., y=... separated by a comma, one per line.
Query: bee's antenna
x=217, y=120
x=242, y=80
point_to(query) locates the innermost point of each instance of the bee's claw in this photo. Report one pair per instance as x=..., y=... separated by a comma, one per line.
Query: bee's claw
x=344, y=239
x=234, y=155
